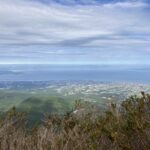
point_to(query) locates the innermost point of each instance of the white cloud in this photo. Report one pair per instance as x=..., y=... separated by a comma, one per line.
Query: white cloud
x=32, y=23
x=26, y=23
x=126, y=4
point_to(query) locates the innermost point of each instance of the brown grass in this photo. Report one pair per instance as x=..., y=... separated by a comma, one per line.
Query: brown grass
x=126, y=127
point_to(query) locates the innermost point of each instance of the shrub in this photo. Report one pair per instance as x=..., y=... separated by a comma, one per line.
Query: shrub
x=124, y=127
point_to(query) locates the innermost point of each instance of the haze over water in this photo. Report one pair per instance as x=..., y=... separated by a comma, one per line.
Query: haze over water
x=99, y=73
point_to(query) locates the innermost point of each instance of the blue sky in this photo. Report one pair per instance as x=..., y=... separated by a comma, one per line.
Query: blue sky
x=75, y=32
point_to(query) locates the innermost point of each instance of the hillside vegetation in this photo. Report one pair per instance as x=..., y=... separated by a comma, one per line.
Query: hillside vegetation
x=123, y=127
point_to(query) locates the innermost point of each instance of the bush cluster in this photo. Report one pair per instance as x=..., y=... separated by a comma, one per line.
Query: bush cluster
x=123, y=127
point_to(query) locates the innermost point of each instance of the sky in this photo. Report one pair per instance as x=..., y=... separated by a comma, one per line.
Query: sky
x=75, y=32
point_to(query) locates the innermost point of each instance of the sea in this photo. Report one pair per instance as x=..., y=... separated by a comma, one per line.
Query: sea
x=96, y=73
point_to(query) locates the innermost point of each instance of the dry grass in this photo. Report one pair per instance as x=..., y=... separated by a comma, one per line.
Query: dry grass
x=126, y=127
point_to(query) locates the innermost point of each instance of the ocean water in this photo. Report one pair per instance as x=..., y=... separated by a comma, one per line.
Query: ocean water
x=100, y=73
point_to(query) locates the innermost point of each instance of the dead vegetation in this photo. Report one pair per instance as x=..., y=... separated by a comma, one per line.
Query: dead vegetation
x=126, y=127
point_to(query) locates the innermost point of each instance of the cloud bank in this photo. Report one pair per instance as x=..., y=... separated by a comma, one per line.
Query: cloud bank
x=74, y=32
